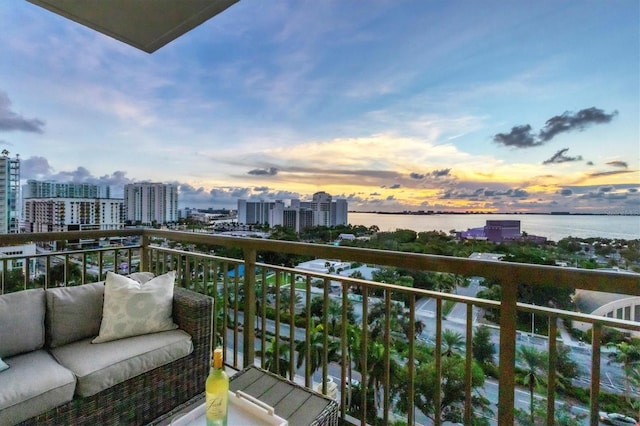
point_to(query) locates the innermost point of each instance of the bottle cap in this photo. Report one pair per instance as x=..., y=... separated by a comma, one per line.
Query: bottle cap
x=217, y=356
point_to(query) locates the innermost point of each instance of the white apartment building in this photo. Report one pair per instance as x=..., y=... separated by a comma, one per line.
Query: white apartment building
x=9, y=194
x=72, y=214
x=151, y=203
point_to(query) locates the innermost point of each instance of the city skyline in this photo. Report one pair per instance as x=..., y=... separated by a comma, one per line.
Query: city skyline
x=400, y=106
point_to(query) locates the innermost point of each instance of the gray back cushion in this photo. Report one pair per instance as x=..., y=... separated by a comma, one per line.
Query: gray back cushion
x=73, y=313
x=21, y=322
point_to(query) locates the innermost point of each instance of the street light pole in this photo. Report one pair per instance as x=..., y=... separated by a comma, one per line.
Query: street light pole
x=533, y=324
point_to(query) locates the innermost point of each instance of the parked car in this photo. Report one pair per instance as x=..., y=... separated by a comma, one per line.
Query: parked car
x=617, y=419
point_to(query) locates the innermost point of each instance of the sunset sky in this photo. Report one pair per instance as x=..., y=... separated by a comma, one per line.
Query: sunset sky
x=395, y=105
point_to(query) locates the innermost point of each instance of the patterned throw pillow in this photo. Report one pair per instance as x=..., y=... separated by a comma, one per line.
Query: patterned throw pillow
x=132, y=308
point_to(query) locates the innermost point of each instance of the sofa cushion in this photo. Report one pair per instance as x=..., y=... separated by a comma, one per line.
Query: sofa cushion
x=73, y=313
x=132, y=308
x=34, y=384
x=21, y=322
x=98, y=367
x=3, y=365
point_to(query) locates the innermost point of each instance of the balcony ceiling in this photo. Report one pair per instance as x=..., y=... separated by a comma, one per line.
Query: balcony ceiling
x=145, y=24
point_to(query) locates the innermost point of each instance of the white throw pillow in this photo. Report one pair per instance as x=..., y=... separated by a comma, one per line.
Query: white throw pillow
x=132, y=308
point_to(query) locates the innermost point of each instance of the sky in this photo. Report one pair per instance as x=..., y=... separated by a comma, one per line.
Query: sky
x=395, y=105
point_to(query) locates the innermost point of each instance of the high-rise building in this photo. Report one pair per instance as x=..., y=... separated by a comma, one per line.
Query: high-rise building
x=9, y=194
x=49, y=189
x=72, y=214
x=320, y=211
x=151, y=203
x=321, y=207
x=340, y=211
x=253, y=213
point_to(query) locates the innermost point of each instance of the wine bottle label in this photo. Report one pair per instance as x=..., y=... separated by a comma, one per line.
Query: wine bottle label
x=216, y=406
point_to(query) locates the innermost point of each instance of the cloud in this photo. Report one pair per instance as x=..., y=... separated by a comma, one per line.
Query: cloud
x=271, y=171
x=604, y=195
x=610, y=173
x=261, y=188
x=523, y=136
x=10, y=120
x=565, y=192
x=440, y=173
x=568, y=122
x=606, y=189
x=483, y=193
x=622, y=164
x=35, y=168
x=559, y=157
x=519, y=137
x=434, y=174
x=395, y=186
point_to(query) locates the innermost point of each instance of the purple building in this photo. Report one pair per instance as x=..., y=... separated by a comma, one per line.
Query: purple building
x=501, y=230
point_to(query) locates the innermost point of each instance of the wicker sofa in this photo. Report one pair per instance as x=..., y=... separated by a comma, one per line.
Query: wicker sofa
x=139, y=393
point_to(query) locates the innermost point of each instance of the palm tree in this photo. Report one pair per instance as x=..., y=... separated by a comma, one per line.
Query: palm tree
x=483, y=349
x=627, y=354
x=316, y=349
x=258, y=296
x=282, y=364
x=376, y=366
x=452, y=342
x=353, y=341
x=285, y=299
x=444, y=282
x=405, y=323
x=334, y=311
x=534, y=363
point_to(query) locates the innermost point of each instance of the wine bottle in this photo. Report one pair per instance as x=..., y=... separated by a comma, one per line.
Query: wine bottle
x=217, y=392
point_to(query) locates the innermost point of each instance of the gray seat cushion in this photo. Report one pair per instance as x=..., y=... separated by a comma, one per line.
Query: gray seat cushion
x=21, y=322
x=34, y=383
x=73, y=313
x=98, y=366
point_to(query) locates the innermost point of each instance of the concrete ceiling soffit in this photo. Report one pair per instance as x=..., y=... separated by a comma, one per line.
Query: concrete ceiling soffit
x=145, y=24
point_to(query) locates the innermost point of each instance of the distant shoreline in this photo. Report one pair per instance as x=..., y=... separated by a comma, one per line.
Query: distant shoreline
x=428, y=213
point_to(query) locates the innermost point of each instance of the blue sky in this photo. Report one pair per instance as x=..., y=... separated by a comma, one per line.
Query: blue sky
x=394, y=105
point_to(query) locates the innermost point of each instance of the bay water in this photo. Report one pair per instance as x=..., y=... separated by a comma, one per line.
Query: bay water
x=554, y=227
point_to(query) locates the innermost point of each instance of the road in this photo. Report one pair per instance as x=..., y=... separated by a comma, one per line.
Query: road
x=611, y=375
x=490, y=388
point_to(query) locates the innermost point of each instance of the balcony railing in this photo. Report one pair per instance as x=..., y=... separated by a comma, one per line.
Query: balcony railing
x=264, y=312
